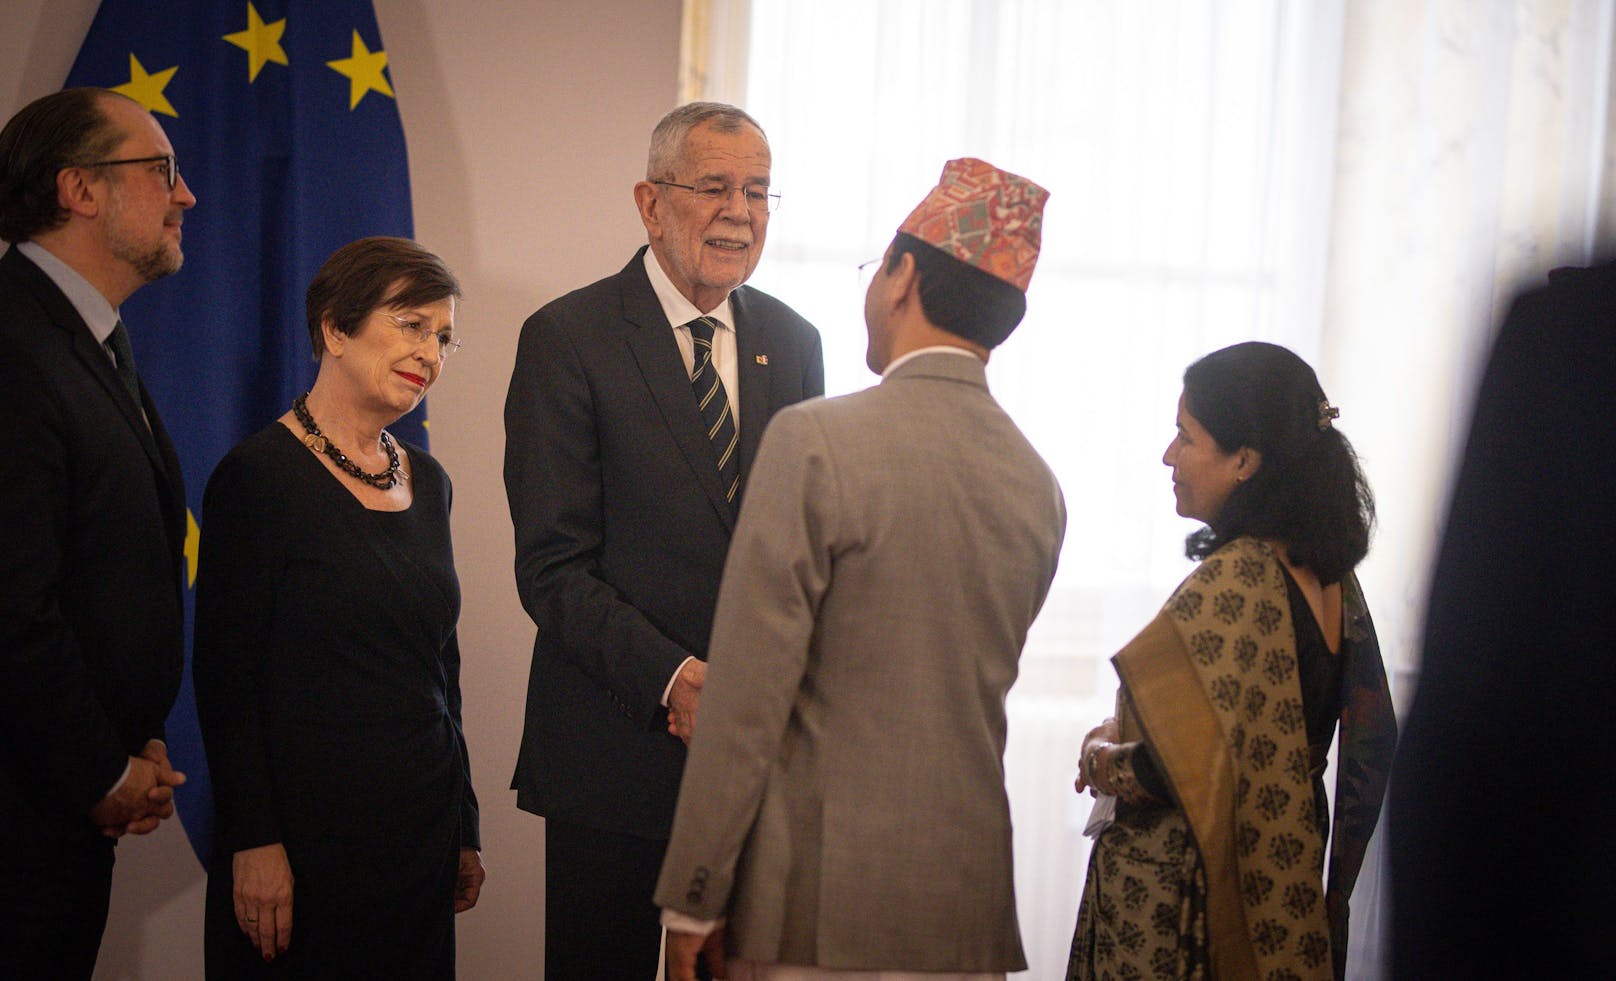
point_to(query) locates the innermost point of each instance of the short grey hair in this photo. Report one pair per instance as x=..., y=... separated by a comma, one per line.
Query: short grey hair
x=668, y=139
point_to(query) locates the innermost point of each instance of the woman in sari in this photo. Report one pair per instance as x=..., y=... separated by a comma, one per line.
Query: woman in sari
x=1214, y=864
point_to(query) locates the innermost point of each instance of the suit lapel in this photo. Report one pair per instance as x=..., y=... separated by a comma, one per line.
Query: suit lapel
x=752, y=350
x=95, y=360
x=170, y=470
x=153, y=439
x=657, y=354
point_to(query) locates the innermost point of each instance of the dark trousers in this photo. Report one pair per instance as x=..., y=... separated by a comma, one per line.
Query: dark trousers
x=599, y=921
x=54, y=892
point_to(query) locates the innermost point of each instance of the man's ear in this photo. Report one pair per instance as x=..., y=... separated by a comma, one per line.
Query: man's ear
x=649, y=203
x=905, y=279
x=75, y=192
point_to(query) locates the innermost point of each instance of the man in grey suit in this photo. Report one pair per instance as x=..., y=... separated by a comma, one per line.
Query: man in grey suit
x=635, y=409
x=843, y=806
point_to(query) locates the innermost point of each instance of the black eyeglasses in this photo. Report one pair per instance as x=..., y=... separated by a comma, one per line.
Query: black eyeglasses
x=167, y=166
x=758, y=196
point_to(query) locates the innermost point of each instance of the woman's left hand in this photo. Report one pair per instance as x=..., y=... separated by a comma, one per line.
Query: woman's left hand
x=1096, y=769
x=1102, y=735
x=469, y=883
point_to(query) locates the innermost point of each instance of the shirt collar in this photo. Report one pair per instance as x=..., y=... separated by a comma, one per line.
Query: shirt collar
x=98, y=314
x=675, y=306
x=934, y=349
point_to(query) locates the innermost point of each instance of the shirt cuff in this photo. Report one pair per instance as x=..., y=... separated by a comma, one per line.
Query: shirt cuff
x=680, y=923
x=129, y=765
x=114, y=788
x=668, y=689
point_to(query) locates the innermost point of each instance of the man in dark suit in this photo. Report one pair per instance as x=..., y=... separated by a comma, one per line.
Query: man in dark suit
x=635, y=409
x=90, y=590
x=1501, y=807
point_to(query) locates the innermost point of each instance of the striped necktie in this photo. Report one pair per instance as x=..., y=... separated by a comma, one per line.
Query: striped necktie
x=714, y=403
x=118, y=344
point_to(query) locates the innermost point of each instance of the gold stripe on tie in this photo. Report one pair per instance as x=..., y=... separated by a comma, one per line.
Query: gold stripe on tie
x=712, y=401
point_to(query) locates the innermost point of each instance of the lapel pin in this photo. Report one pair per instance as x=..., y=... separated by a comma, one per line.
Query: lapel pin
x=763, y=359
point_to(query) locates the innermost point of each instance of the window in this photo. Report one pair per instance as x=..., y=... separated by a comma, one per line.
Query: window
x=1187, y=151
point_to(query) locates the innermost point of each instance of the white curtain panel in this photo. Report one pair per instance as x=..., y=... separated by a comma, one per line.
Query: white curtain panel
x=1364, y=181
x=1473, y=156
x=1471, y=160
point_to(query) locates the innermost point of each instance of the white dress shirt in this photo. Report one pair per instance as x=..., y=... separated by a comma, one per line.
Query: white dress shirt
x=680, y=312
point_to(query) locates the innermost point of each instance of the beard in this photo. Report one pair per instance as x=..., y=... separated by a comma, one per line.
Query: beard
x=159, y=263
x=151, y=261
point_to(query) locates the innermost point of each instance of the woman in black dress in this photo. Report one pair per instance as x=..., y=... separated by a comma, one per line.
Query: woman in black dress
x=326, y=663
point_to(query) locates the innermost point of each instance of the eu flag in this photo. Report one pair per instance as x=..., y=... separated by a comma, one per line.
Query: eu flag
x=285, y=126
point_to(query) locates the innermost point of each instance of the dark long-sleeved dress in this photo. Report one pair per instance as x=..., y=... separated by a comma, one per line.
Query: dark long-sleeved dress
x=327, y=682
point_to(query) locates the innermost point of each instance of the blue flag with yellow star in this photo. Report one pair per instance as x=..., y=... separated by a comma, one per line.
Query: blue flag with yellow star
x=286, y=128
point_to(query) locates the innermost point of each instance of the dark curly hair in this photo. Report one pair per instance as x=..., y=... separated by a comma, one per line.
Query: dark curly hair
x=64, y=129
x=1309, y=493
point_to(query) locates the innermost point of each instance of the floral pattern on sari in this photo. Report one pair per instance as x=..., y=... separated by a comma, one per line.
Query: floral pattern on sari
x=1231, y=626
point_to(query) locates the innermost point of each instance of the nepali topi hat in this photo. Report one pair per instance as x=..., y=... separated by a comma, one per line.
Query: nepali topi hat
x=984, y=217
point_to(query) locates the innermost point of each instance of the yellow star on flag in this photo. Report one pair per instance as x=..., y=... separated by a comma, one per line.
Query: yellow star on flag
x=364, y=71
x=148, y=89
x=261, y=41
x=193, y=547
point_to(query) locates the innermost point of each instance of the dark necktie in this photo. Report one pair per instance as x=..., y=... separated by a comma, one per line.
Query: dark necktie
x=714, y=403
x=118, y=343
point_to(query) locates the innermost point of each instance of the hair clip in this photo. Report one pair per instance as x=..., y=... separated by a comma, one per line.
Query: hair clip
x=1326, y=413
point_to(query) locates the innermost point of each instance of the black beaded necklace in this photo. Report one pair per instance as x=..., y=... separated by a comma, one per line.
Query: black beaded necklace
x=316, y=441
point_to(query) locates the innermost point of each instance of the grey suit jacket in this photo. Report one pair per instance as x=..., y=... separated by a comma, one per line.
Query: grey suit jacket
x=844, y=799
x=621, y=529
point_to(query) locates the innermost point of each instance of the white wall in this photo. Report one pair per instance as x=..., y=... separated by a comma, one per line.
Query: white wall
x=527, y=126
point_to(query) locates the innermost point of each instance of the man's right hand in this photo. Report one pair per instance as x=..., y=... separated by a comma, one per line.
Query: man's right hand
x=142, y=801
x=684, y=698
x=682, y=949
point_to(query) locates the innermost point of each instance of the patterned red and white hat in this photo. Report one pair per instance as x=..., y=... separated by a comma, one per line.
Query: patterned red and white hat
x=984, y=217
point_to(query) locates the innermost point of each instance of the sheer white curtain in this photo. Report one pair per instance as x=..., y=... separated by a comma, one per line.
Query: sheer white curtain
x=1362, y=182
x=1473, y=156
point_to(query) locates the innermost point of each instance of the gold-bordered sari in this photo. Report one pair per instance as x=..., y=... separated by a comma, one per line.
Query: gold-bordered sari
x=1227, y=882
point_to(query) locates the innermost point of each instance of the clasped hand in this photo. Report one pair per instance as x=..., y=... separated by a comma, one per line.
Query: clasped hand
x=1100, y=738
x=144, y=799
x=684, y=698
